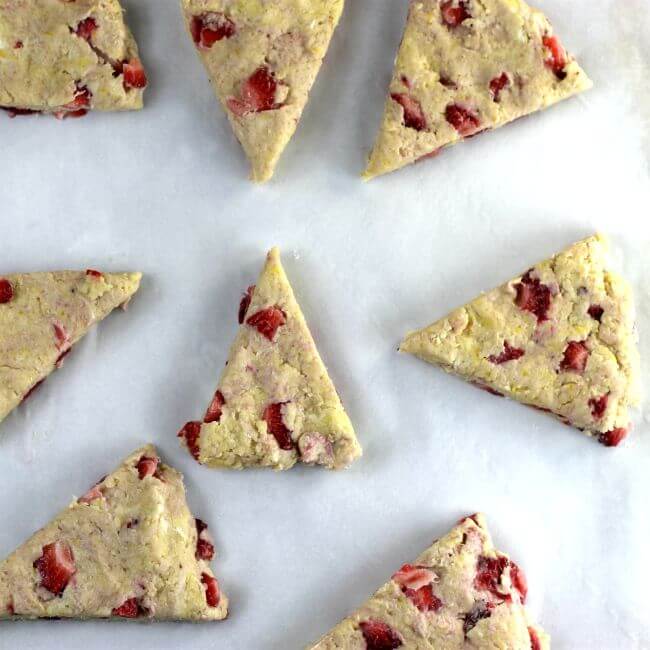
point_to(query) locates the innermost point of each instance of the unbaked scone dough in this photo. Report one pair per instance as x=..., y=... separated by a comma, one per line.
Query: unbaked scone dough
x=129, y=548
x=465, y=66
x=66, y=58
x=42, y=315
x=460, y=593
x=275, y=404
x=559, y=338
x=262, y=57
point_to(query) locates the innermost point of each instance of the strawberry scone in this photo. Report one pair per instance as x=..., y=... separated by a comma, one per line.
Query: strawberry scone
x=262, y=57
x=42, y=315
x=466, y=66
x=460, y=593
x=67, y=57
x=275, y=404
x=128, y=549
x=559, y=338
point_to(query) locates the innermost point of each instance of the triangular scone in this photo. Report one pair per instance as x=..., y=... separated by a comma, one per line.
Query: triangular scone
x=275, y=404
x=559, y=338
x=262, y=58
x=42, y=315
x=465, y=66
x=128, y=548
x=66, y=58
x=460, y=593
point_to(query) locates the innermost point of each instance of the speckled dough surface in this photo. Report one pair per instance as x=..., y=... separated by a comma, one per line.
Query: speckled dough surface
x=262, y=57
x=42, y=315
x=275, y=404
x=560, y=338
x=67, y=57
x=465, y=66
x=129, y=548
x=460, y=593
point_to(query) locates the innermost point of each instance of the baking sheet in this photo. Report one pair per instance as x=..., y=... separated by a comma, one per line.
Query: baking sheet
x=165, y=191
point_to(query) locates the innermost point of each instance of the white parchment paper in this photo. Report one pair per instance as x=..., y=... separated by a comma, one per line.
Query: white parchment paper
x=165, y=191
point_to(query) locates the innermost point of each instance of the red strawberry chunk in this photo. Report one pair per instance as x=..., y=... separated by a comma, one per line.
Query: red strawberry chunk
x=454, y=12
x=379, y=636
x=463, y=119
x=128, y=609
x=596, y=312
x=211, y=27
x=267, y=321
x=78, y=106
x=6, y=291
x=258, y=93
x=480, y=611
x=94, y=274
x=612, y=438
x=147, y=467
x=414, y=577
x=56, y=567
x=273, y=417
x=519, y=582
x=414, y=117
x=424, y=598
x=488, y=574
x=509, y=354
x=498, y=84
x=557, y=58
x=245, y=303
x=599, y=406
x=86, y=28
x=92, y=495
x=61, y=335
x=18, y=45
x=212, y=593
x=191, y=432
x=213, y=414
x=134, y=74
x=10, y=608
x=533, y=296
x=575, y=357
x=204, y=544
x=535, y=643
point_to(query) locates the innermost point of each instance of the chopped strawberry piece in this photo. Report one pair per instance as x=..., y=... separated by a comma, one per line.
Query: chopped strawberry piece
x=518, y=579
x=596, y=312
x=535, y=643
x=463, y=119
x=245, y=303
x=258, y=93
x=273, y=418
x=498, y=84
x=612, y=438
x=61, y=335
x=424, y=598
x=414, y=117
x=557, y=58
x=204, y=544
x=575, y=357
x=454, y=12
x=147, y=467
x=56, y=567
x=488, y=574
x=6, y=291
x=599, y=406
x=267, y=321
x=92, y=495
x=213, y=414
x=191, y=432
x=86, y=28
x=509, y=354
x=379, y=636
x=480, y=611
x=10, y=608
x=18, y=45
x=128, y=609
x=78, y=106
x=94, y=274
x=212, y=593
x=414, y=577
x=533, y=296
x=211, y=27
x=134, y=74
